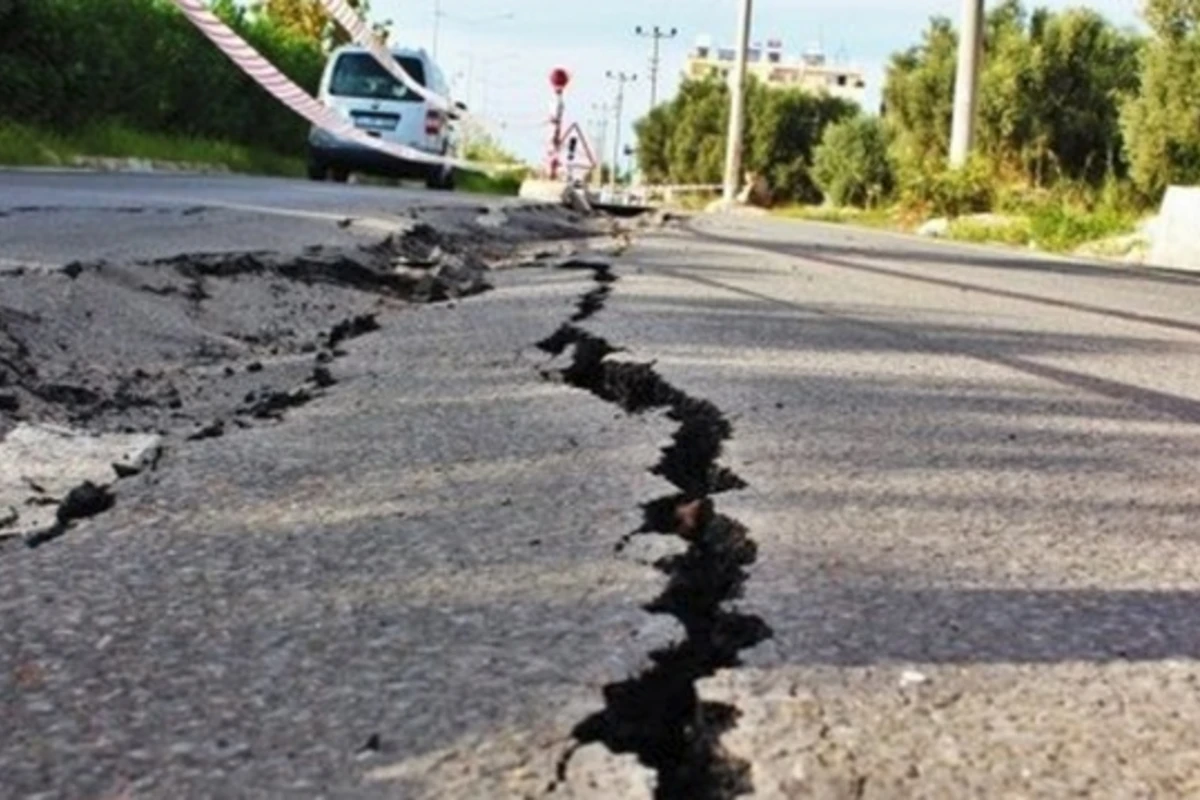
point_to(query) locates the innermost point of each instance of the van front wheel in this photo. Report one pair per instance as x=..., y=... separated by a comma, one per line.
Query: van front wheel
x=317, y=171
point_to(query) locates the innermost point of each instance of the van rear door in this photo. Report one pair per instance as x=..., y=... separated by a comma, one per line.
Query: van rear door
x=377, y=103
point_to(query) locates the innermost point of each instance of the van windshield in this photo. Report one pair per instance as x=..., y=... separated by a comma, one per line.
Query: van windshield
x=360, y=75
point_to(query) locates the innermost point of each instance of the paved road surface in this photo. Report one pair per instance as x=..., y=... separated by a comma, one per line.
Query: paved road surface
x=970, y=477
x=50, y=217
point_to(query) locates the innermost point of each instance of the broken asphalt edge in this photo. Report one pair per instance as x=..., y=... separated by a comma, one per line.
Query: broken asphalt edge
x=658, y=715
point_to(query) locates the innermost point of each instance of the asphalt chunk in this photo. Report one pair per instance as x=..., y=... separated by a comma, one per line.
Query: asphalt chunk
x=85, y=500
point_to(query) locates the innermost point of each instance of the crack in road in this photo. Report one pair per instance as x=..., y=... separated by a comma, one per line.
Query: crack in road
x=658, y=715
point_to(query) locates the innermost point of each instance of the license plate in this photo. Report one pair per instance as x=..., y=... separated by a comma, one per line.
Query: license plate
x=368, y=122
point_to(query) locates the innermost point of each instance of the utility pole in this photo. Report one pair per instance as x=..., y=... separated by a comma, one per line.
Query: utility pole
x=657, y=34
x=966, y=83
x=621, y=78
x=600, y=125
x=737, y=112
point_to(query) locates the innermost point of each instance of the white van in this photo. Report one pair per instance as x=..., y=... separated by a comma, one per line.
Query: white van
x=356, y=86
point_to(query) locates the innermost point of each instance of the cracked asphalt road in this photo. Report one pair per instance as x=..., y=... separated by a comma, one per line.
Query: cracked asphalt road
x=969, y=476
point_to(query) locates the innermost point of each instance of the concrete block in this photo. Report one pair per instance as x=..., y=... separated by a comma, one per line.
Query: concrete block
x=543, y=190
x=1176, y=232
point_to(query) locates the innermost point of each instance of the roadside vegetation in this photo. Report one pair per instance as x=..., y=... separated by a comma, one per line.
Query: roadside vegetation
x=97, y=142
x=133, y=79
x=97, y=78
x=1082, y=126
x=482, y=147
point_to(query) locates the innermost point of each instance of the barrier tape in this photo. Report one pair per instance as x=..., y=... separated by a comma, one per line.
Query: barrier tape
x=354, y=24
x=286, y=91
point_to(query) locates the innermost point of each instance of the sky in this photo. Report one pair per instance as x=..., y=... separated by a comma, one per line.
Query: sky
x=500, y=66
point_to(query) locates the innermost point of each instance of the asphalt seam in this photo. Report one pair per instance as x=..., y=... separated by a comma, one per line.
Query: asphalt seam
x=658, y=715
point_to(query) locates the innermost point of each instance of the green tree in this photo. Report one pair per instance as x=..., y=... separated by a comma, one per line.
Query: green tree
x=653, y=144
x=1162, y=124
x=918, y=96
x=683, y=141
x=783, y=129
x=1051, y=92
x=851, y=166
x=1084, y=71
x=308, y=19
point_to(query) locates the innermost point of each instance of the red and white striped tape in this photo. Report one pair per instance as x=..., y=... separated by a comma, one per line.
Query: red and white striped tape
x=294, y=97
x=361, y=34
x=353, y=23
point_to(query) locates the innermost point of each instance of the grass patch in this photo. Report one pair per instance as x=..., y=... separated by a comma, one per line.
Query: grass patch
x=1051, y=226
x=24, y=145
x=870, y=218
x=1014, y=232
x=507, y=184
x=1054, y=227
x=1060, y=229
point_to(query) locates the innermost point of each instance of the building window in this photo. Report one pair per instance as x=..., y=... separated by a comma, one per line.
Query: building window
x=841, y=80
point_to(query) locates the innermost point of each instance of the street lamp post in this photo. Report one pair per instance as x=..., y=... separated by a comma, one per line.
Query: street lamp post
x=656, y=34
x=737, y=113
x=621, y=78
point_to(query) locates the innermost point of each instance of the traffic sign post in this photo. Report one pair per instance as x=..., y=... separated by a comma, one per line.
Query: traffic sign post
x=559, y=79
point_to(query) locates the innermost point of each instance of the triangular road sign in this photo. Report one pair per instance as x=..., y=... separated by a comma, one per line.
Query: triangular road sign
x=575, y=143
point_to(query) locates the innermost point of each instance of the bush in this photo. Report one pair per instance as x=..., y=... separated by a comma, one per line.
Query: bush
x=851, y=165
x=950, y=192
x=1061, y=228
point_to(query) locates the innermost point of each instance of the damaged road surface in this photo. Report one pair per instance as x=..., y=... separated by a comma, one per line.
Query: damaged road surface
x=751, y=510
x=657, y=715
x=368, y=596
x=197, y=344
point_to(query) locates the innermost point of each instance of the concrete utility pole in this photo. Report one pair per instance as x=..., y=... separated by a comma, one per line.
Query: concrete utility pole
x=621, y=78
x=600, y=126
x=966, y=83
x=737, y=111
x=657, y=34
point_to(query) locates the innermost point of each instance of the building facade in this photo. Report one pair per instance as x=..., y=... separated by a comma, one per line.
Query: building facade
x=810, y=71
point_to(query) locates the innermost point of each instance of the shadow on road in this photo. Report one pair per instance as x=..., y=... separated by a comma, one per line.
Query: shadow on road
x=946, y=453
x=841, y=257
